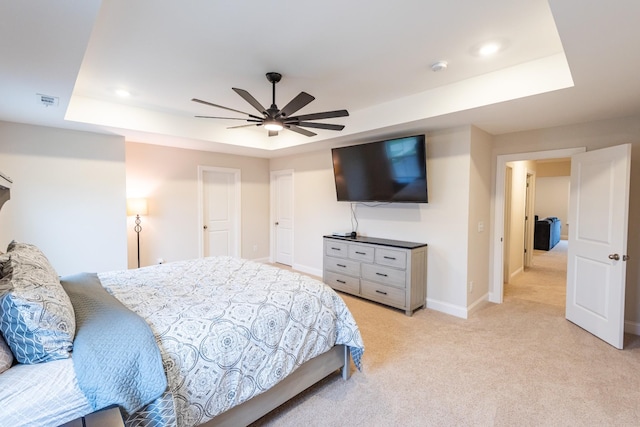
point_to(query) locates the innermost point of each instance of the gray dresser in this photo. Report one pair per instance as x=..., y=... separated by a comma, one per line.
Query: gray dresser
x=387, y=271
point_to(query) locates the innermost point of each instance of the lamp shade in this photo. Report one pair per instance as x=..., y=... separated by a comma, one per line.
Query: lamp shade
x=137, y=206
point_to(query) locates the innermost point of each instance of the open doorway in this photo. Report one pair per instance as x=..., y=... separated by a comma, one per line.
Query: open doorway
x=546, y=194
x=516, y=259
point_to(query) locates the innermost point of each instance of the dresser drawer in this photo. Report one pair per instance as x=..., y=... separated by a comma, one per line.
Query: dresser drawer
x=384, y=294
x=341, y=265
x=361, y=253
x=391, y=257
x=337, y=249
x=386, y=275
x=343, y=283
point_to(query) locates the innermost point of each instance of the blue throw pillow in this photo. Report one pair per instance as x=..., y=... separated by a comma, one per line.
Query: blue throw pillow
x=36, y=315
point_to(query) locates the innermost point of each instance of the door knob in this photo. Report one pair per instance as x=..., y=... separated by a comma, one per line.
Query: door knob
x=277, y=223
x=206, y=226
x=614, y=257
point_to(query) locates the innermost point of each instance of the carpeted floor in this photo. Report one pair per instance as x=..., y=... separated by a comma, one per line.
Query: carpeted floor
x=517, y=363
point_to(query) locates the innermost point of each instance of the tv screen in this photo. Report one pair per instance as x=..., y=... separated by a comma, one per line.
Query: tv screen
x=393, y=170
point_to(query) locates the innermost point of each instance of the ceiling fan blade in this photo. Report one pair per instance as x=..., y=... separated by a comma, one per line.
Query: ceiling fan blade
x=230, y=118
x=225, y=108
x=300, y=130
x=244, y=126
x=250, y=99
x=320, y=125
x=295, y=104
x=273, y=133
x=317, y=116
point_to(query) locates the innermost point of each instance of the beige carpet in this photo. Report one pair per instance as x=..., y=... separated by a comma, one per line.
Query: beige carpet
x=519, y=363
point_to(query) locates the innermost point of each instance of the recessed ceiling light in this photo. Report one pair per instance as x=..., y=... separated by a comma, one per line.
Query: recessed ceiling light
x=122, y=93
x=489, y=49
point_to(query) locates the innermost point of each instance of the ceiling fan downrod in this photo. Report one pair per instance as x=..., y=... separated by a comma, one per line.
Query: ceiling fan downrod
x=273, y=79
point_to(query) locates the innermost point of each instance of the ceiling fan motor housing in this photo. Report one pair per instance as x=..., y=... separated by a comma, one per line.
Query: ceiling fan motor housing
x=274, y=77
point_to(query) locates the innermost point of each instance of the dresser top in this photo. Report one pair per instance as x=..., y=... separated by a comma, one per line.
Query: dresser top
x=381, y=242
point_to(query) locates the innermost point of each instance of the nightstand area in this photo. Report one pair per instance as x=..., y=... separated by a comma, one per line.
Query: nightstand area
x=108, y=417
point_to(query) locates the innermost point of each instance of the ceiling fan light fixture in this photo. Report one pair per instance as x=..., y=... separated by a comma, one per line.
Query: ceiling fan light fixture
x=273, y=125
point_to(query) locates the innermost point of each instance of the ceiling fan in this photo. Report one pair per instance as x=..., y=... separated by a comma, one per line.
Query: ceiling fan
x=275, y=120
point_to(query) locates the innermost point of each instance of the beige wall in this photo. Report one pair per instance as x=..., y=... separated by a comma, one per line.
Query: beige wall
x=168, y=177
x=552, y=199
x=479, y=215
x=594, y=135
x=68, y=196
x=555, y=167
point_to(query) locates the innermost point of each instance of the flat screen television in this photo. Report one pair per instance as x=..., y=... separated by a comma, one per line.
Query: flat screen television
x=393, y=170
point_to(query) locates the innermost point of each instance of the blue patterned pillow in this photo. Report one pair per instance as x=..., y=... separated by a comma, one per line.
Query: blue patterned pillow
x=36, y=315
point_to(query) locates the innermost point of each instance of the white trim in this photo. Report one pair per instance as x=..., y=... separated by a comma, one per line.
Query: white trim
x=448, y=308
x=308, y=270
x=238, y=206
x=632, y=327
x=496, y=284
x=479, y=303
x=515, y=274
x=272, y=213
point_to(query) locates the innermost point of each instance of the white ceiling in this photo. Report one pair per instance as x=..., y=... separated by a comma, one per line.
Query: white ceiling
x=564, y=61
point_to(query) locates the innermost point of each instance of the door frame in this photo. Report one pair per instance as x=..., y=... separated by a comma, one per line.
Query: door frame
x=273, y=197
x=237, y=207
x=529, y=212
x=496, y=288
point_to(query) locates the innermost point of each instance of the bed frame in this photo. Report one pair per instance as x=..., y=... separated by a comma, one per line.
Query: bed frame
x=253, y=409
x=302, y=378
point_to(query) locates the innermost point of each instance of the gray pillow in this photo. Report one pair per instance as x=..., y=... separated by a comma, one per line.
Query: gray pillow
x=6, y=357
x=36, y=315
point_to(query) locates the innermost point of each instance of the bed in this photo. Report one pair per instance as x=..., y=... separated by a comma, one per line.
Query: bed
x=223, y=342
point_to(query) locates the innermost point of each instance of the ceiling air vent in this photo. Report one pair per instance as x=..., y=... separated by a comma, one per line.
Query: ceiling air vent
x=47, y=100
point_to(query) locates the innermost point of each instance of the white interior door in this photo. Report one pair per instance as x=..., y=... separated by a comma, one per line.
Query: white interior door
x=598, y=214
x=221, y=212
x=282, y=199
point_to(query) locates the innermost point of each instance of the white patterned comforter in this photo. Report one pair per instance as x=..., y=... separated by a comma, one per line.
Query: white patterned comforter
x=229, y=329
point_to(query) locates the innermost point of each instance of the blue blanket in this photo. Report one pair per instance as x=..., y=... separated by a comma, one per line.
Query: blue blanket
x=115, y=355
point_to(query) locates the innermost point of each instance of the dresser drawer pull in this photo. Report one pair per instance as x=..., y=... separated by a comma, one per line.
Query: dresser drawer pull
x=361, y=253
x=390, y=257
x=381, y=292
x=382, y=274
x=335, y=249
x=341, y=281
x=341, y=265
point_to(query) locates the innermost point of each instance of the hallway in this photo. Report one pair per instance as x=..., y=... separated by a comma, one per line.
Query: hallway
x=545, y=281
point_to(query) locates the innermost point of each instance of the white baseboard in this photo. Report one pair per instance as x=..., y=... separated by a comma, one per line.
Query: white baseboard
x=481, y=302
x=308, y=270
x=515, y=273
x=447, y=308
x=632, y=327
